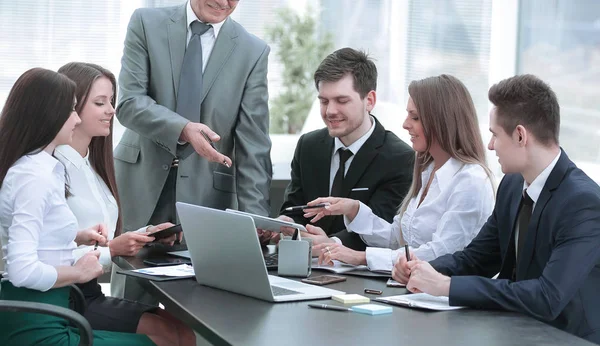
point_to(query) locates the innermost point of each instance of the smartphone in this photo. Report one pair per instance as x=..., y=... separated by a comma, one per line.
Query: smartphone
x=158, y=262
x=167, y=232
x=322, y=280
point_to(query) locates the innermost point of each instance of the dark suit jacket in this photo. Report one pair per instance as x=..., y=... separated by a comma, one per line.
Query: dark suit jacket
x=558, y=274
x=383, y=165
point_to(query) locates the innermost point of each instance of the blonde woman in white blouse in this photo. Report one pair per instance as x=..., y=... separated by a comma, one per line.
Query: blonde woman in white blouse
x=452, y=193
x=89, y=165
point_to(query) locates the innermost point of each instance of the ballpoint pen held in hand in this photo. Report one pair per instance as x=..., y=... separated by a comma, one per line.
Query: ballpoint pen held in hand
x=212, y=145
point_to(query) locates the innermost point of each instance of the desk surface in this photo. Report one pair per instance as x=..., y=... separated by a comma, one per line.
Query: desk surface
x=226, y=318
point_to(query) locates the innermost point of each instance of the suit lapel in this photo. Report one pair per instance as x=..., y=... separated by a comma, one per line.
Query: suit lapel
x=363, y=158
x=553, y=181
x=224, y=45
x=509, y=250
x=177, y=36
x=320, y=165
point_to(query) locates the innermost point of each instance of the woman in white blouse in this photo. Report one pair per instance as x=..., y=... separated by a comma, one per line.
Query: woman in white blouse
x=89, y=165
x=38, y=230
x=452, y=193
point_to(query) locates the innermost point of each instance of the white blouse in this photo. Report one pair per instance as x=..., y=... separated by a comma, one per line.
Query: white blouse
x=91, y=200
x=459, y=201
x=36, y=225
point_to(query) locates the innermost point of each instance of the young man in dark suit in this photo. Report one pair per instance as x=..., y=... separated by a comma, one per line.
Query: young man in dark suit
x=543, y=237
x=377, y=167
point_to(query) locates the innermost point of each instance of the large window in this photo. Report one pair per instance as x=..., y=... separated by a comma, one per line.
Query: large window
x=559, y=41
x=478, y=41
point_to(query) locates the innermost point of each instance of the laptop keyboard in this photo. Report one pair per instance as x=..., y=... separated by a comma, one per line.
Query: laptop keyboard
x=271, y=261
x=280, y=291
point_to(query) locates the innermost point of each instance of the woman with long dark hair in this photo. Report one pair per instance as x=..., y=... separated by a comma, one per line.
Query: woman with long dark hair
x=38, y=230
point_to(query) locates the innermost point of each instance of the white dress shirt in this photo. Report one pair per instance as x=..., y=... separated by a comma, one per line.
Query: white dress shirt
x=91, y=201
x=459, y=201
x=37, y=227
x=207, y=39
x=335, y=158
x=535, y=189
x=354, y=148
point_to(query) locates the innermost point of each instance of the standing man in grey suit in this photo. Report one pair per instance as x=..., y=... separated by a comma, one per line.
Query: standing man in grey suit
x=189, y=71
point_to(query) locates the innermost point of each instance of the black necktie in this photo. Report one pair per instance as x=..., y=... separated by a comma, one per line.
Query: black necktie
x=524, y=217
x=338, y=181
x=189, y=94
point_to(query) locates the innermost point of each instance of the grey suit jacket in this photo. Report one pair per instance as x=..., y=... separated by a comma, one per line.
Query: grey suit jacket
x=234, y=105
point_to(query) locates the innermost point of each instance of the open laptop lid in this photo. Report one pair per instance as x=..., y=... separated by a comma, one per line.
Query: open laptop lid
x=225, y=250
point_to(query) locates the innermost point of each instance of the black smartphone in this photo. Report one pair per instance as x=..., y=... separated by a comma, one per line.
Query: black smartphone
x=322, y=280
x=167, y=261
x=167, y=232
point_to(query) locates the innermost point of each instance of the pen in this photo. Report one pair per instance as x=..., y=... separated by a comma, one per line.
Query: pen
x=395, y=302
x=302, y=207
x=212, y=145
x=329, y=307
x=407, y=252
x=96, y=246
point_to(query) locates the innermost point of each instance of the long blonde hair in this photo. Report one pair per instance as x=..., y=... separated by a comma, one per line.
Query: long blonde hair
x=446, y=110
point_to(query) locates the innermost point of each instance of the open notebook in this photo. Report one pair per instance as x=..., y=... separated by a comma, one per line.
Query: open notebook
x=420, y=301
x=343, y=268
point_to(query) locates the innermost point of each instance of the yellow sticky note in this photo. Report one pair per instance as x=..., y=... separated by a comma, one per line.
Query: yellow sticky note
x=351, y=299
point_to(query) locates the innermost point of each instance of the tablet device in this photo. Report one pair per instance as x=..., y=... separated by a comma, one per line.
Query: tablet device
x=165, y=233
x=168, y=261
x=268, y=223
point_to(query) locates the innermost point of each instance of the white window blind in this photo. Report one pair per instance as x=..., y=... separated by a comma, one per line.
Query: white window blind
x=559, y=41
x=451, y=37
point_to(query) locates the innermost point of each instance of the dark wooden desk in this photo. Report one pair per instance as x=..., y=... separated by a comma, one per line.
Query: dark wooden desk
x=225, y=318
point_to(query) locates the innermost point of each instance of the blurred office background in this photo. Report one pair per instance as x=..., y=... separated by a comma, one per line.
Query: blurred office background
x=478, y=41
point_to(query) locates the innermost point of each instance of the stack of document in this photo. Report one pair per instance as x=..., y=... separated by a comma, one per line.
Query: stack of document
x=420, y=301
x=343, y=268
x=180, y=271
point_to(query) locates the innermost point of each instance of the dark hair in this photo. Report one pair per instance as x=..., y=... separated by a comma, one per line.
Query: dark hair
x=101, y=148
x=526, y=100
x=37, y=107
x=348, y=61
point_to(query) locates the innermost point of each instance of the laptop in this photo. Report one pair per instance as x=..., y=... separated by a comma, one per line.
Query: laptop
x=271, y=260
x=226, y=254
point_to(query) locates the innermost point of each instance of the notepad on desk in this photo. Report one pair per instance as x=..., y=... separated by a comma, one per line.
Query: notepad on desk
x=420, y=301
x=174, y=272
x=372, y=309
x=350, y=298
x=343, y=268
x=394, y=283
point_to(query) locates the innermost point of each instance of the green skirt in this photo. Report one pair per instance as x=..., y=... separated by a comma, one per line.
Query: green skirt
x=39, y=329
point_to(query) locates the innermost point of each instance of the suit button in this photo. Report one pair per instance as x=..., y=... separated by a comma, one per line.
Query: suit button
x=165, y=167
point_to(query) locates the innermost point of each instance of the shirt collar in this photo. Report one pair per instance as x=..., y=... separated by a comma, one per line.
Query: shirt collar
x=191, y=16
x=72, y=155
x=47, y=161
x=445, y=174
x=535, y=189
x=355, y=147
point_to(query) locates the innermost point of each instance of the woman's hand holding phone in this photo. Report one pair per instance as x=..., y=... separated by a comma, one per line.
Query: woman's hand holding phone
x=170, y=240
x=129, y=244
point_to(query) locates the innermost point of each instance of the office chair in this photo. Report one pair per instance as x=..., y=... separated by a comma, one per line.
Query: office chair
x=74, y=317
